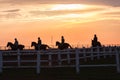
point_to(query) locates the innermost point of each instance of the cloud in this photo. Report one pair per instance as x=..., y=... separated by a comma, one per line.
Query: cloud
x=63, y=12
x=9, y=15
x=112, y=13
x=33, y=2
x=110, y=2
x=47, y=12
x=13, y=10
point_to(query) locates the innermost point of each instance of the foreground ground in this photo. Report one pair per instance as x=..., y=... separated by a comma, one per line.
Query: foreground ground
x=101, y=73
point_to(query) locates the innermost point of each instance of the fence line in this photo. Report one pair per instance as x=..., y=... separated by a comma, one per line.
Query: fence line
x=54, y=46
x=71, y=58
x=1, y=62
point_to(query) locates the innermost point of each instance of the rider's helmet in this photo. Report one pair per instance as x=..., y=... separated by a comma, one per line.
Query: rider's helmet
x=15, y=38
x=38, y=37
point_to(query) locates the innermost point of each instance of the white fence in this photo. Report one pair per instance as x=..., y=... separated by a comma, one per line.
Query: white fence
x=58, y=58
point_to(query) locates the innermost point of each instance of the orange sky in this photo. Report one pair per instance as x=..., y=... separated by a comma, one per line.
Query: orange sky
x=76, y=22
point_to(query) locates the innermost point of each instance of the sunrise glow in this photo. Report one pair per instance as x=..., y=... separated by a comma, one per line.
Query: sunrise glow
x=68, y=6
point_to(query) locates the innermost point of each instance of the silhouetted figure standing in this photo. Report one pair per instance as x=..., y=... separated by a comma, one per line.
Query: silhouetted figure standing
x=39, y=42
x=62, y=40
x=16, y=43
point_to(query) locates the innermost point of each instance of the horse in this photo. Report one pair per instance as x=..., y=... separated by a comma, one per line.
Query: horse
x=62, y=46
x=41, y=47
x=13, y=47
x=95, y=44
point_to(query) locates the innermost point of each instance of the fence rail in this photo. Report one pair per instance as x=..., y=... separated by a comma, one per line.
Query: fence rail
x=58, y=58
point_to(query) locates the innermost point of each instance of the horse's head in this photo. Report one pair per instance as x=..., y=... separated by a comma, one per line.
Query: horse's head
x=33, y=44
x=9, y=44
x=57, y=43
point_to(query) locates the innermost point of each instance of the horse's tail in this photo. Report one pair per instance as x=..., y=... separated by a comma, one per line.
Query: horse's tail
x=23, y=46
x=48, y=47
x=99, y=44
x=70, y=46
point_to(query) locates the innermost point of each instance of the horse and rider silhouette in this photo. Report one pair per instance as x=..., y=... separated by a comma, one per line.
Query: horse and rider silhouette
x=15, y=46
x=95, y=42
x=63, y=45
x=39, y=45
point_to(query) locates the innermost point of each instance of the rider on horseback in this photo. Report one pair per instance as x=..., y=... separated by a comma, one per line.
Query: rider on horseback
x=95, y=41
x=16, y=43
x=39, y=42
x=63, y=45
x=95, y=38
x=62, y=40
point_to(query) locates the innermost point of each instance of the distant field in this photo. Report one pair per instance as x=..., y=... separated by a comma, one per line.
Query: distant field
x=99, y=73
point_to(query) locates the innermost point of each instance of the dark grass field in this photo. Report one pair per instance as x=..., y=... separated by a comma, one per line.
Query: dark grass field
x=99, y=73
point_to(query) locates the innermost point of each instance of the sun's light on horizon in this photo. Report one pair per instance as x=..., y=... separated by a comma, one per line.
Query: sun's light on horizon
x=68, y=6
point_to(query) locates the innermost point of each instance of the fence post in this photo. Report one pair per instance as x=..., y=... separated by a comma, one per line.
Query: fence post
x=77, y=60
x=18, y=57
x=1, y=62
x=92, y=53
x=98, y=52
x=117, y=60
x=84, y=54
x=68, y=56
x=59, y=58
x=104, y=52
x=110, y=51
x=50, y=59
x=38, y=62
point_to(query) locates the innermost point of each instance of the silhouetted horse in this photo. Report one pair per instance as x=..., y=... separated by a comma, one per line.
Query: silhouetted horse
x=63, y=46
x=42, y=46
x=13, y=47
x=95, y=44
